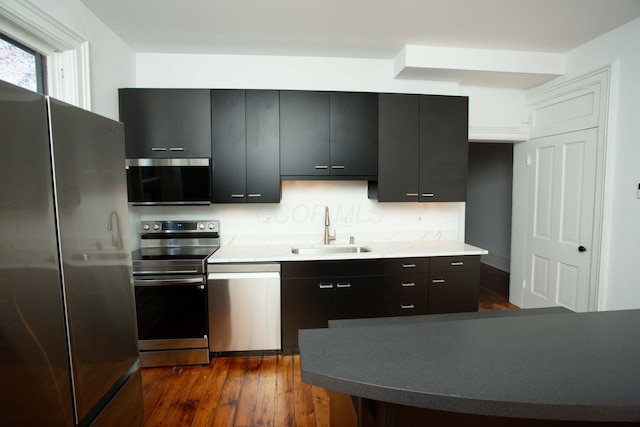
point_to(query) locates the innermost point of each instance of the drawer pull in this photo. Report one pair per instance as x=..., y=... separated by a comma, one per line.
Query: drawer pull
x=176, y=149
x=344, y=285
x=407, y=306
x=408, y=266
x=158, y=149
x=408, y=284
x=411, y=194
x=428, y=195
x=237, y=196
x=458, y=263
x=255, y=195
x=326, y=285
x=337, y=167
x=437, y=281
x=322, y=167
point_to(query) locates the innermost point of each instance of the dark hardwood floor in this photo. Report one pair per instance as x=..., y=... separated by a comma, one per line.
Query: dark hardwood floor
x=258, y=390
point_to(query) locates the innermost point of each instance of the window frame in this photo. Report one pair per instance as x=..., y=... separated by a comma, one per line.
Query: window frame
x=39, y=62
x=65, y=53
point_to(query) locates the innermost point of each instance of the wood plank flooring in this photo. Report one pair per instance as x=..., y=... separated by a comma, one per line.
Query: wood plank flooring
x=247, y=390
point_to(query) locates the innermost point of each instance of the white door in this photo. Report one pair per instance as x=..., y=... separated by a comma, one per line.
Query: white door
x=561, y=197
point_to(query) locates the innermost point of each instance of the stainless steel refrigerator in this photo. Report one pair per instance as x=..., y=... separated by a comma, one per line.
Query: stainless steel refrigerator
x=68, y=346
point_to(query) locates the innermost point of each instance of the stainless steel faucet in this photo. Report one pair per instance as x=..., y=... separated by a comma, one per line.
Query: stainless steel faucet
x=116, y=240
x=327, y=237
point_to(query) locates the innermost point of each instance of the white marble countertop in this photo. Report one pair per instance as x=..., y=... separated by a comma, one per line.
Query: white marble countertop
x=382, y=249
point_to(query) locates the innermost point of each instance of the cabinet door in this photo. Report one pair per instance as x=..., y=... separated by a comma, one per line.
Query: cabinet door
x=304, y=133
x=263, y=146
x=306, y=303
x=169, y=123
x=189, y=122
x=443, y=148
x=353, y=140
x=398, y=147
x=228, y=141
x=359, y=297
x=145, y=115
x=452, y=292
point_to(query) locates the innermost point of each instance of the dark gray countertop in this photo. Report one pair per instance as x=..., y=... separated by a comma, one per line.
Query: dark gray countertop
x=548, y=365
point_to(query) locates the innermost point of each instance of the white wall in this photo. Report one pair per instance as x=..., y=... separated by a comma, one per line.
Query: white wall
x=112, y=62
x=620, y=274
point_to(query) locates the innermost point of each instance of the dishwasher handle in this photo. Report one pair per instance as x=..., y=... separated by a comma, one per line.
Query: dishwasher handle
x=244, y=275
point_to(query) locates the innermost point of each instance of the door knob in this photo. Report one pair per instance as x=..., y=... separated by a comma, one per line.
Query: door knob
x=582, y=249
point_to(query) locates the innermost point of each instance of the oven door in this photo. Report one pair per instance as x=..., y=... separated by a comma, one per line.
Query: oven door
x=169, y=181
x=171, y=313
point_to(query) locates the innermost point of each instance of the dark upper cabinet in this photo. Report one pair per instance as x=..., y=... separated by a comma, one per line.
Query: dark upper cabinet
x=245, y=146
x=304, y=133
x=353, y=142
x=263, y=146
x=398, y=148
x=444, y=148
x=328, y=135
x=422, y=147
x=166, y=123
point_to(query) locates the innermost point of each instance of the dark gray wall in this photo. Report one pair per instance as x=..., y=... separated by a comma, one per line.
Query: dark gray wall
x=488, y=211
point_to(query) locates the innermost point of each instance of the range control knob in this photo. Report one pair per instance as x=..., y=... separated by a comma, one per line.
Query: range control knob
x=146, y=227
x=211, y=226
x=201, y=226
x=156, y=227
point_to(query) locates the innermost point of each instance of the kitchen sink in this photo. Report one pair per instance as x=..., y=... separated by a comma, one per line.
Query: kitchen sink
x=329, y=249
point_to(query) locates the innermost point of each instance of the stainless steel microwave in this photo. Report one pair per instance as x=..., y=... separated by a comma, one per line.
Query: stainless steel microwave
x=169, y=181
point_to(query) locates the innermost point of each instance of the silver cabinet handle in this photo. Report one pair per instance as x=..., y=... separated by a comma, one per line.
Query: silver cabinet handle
x=458, y=263
x=322, y=167
x=176, y=149
x=408, y=266
x=408, y=284
x=407, y=306
x=411, y=194
x=326, y=285
x=337, y=167
x=344, y=285
x=255, y=195
x=428, y=195
x=437, y=281
x=237, y=196
x=158, y=148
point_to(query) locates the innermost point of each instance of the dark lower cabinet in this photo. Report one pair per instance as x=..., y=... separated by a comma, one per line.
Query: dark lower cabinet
x=314, y=292
x=307, y=303
x=246, y=146
x=454, y=284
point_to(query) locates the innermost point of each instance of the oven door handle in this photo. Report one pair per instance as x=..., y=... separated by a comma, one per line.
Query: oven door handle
x=187, y=281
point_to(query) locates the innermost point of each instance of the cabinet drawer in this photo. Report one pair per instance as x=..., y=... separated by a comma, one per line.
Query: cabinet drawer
x=407, y=266
x=455, y=263
x=406, y=285
x=399, y=306
x=345, y=268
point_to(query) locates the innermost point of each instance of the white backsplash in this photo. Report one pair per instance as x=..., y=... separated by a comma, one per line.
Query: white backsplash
x=299, y=217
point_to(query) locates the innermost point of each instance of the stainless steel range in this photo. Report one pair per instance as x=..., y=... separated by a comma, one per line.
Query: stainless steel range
x=169, y=272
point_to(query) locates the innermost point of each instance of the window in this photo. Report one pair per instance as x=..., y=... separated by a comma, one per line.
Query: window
x=21, y=66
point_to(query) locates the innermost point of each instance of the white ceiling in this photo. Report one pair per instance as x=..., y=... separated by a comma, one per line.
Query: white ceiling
x=358, y=28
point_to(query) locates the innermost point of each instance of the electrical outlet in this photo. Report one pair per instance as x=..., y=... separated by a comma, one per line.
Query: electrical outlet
x=419, y=219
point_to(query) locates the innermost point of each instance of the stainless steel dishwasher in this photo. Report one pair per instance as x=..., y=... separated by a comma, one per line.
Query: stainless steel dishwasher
x=244, y=307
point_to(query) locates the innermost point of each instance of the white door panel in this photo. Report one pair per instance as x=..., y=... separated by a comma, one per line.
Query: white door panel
x=561, y=195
